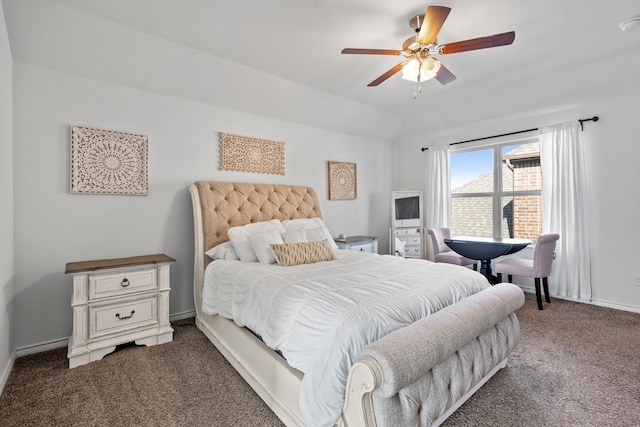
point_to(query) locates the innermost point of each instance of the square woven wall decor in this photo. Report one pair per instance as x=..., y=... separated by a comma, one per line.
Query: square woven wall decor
x=343, y=183
x=246, y=154
x=108, y=162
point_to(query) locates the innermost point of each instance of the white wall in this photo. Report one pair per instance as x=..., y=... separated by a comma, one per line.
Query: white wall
x=611, y=156
x=46, y=34
x=6, y=205
x=612, y=152
x=53, y=227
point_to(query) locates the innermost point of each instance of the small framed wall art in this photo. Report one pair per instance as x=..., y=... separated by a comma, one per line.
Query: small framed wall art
x=108, y=162
x=343, y=183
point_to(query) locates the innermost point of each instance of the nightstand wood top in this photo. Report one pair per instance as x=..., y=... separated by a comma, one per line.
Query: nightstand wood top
x=353, y=239
x=101, y=264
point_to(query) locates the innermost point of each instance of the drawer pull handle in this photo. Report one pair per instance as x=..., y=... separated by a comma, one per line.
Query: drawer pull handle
x=125, y=317
x=125, y=282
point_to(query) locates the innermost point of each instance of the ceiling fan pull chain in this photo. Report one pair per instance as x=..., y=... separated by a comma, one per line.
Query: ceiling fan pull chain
x=417, y=88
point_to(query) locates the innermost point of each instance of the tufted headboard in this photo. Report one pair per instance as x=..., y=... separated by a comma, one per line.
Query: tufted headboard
x=218, y=206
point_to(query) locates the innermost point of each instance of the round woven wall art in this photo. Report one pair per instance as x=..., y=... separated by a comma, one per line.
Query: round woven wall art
x=108, y=162
x=342, y=181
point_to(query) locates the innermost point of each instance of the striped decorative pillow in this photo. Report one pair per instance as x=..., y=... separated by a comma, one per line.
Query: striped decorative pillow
x=288, y=254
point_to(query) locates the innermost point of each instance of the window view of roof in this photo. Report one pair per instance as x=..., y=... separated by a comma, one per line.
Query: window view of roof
x=472, y=206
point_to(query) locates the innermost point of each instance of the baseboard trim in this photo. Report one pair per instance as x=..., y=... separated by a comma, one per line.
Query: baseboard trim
x=183, y=315
x=44, y=346
x=616, y=306
x=64, y=342
x=600, y=303
x=6, y=372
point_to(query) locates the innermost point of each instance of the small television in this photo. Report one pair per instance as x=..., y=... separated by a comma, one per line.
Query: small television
x=408, y=208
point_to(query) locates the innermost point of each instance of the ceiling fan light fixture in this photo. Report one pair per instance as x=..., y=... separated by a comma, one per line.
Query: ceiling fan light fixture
x=426, y=68
x=417, y=65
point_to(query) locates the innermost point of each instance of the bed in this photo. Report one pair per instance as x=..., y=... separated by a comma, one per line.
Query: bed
x=415, y=374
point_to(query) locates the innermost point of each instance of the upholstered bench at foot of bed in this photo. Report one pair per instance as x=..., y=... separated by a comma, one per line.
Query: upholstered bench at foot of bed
x=423, y=372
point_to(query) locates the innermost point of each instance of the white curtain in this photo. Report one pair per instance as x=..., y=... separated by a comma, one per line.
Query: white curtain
x=565, y=209
x=438, y=194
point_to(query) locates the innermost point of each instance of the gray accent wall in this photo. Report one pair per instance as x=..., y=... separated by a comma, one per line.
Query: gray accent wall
x=53, y=226
x=6, y=206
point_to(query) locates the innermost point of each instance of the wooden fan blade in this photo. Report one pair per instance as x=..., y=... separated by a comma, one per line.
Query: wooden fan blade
x=479, y=43
x=444, y=76
x=433, y=20
x=388, y=74
x=353, y=51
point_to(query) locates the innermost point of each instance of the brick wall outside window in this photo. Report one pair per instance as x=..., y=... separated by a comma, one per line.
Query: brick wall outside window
x=527, y=210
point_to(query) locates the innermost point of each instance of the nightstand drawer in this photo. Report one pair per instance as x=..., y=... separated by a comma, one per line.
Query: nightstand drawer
x=115, y=318
x=117, y=284
x=358, y=243
x=365, y=247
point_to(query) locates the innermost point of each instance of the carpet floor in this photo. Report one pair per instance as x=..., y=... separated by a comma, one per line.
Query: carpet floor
x=576, y=365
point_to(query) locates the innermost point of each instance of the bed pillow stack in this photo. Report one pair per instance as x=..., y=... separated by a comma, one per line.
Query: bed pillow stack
x=254, y=242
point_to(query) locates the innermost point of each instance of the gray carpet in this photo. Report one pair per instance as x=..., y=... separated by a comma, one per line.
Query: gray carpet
x=576, y=365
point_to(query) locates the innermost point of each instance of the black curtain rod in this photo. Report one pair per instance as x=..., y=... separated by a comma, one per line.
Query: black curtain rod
x=592, y=119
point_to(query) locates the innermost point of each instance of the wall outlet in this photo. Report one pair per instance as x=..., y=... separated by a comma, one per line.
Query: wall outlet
x=636, y=279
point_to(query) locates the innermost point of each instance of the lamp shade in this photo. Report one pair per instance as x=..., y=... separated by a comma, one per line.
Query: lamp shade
x=426, y=68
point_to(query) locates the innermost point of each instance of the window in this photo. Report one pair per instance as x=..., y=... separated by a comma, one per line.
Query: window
x=496, y=191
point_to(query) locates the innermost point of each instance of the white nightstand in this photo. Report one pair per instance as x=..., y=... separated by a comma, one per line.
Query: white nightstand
x=358, y=243
x=116, y=301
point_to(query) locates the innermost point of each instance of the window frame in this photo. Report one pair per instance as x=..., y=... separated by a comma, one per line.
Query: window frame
x=498, y=193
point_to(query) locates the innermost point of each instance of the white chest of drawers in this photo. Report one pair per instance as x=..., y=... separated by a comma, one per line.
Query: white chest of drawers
x=116, y=301
x=412, y=239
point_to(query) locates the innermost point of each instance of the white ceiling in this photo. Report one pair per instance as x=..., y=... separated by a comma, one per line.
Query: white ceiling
x=561, y=47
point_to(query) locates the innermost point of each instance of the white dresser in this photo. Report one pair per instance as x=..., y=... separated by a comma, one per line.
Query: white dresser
x=412, y=239
x=407, y=235
x=116, y=301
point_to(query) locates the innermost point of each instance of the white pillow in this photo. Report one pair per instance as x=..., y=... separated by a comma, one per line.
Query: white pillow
x=240, y=242
x=261, y=244
x=294, y=236
x=309, y=223
x=316, y=234
x=223, y=251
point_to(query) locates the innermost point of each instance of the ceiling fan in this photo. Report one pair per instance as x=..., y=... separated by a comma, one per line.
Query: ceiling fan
x=420, y=49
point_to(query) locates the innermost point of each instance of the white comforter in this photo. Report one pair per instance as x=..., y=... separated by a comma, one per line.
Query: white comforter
x=321, y=315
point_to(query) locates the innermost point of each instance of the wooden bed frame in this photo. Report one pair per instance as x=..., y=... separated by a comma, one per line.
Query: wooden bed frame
x=217, y=206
